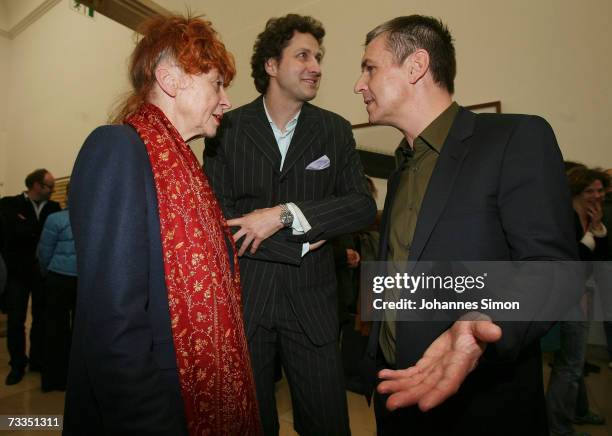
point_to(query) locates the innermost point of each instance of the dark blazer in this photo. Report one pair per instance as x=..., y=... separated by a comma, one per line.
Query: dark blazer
x=498, y=193
x=243, y=163
x=122, y=373
x=2, y=275
x=21, y=231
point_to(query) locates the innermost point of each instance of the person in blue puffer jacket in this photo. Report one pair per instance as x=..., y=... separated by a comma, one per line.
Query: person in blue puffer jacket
x=57, y=259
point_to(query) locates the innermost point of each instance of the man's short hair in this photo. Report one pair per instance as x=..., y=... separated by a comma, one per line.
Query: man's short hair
x=407, y=34
x=36, y=176
x=275, y=37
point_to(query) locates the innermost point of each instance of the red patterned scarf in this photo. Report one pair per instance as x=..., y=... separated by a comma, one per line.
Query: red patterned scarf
x=203, y=295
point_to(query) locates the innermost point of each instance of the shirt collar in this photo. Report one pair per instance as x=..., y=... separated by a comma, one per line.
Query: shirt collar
x=37, y=206
x=436, y=132
x=290, y=125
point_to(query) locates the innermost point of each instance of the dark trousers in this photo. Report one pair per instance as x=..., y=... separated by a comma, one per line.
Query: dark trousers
x=566, y=397
x=314, y=374
x=353, y=346
x=18, y=290
x=60, y=300
x=608, y=330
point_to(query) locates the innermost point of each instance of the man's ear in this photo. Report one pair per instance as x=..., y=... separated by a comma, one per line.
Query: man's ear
x=167, y=79
x=417, y=65
x=271, y=66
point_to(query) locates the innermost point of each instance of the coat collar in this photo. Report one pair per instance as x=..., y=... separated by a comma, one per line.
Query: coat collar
x=442, y=180
x=258, y=129
x=305, y=133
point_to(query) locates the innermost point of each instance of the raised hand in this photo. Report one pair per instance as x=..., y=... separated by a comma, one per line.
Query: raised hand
x=442, y=369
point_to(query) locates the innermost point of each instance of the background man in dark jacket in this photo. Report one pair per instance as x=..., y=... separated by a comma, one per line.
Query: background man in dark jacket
x=21, y=221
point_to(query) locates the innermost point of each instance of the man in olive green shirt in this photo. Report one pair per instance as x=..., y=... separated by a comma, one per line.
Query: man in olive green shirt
x=419, y=162
x=471, y=188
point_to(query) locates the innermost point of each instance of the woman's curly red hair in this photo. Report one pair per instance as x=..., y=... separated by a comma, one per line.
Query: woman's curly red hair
x=190, y=41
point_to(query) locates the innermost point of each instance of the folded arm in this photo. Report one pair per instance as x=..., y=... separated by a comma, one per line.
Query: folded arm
x=274, y=244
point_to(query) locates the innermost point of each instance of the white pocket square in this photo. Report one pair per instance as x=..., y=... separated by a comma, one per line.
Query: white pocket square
x=319, y=164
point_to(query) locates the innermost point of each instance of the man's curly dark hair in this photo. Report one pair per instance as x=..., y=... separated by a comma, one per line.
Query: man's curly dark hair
x=276, y=36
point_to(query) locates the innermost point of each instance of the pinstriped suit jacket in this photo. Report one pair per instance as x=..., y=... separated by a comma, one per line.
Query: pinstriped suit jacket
x=243, y=166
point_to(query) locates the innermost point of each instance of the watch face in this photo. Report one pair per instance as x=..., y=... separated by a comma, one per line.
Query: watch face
x=286, y=217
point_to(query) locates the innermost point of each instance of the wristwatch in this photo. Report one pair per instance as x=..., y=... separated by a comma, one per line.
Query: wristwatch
x=286, y=217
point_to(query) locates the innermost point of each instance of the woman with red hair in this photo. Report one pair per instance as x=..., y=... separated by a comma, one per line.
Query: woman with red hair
x=159, y=345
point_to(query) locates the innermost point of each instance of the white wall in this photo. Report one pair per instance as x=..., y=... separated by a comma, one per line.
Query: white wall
x=66, y=71
x=548, y=57
x=545, y=57
x=4, y=62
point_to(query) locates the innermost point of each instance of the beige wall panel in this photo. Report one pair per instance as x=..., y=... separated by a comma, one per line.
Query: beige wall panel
x=4, y=106
x=547, y=57
x=3, y=15
x=65, y=73
x=17, y=10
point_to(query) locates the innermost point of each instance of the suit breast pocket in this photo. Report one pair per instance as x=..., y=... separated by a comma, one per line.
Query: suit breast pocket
x=318, y=183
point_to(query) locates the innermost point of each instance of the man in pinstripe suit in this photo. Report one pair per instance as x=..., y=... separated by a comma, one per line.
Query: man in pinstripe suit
x=288, y=178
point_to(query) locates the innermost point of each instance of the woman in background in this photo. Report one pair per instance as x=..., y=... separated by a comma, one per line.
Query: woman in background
x=159, y=345
x=566, y=397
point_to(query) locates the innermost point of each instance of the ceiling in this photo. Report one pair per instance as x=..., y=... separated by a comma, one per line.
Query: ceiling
x=17, y=15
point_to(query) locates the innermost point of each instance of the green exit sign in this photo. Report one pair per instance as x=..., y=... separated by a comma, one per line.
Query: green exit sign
x=81, y=9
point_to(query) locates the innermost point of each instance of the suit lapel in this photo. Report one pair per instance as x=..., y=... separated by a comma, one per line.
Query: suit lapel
x=442, y=180
x=26, y=209
x=258, y=129
x=305, y=133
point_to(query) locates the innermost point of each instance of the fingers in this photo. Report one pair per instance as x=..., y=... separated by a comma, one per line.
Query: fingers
x=410, y=391
x=239, y=234
x=487, y=331
x=245, y=244
x=404, y=398
x=436, y=396
x=395, y=374
x=316, y=245
x=427, y=389
x=255, y=245
x=402, y=379
x=235, y=222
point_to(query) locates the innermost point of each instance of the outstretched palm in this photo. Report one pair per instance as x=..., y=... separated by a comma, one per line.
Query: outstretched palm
x=442, y=369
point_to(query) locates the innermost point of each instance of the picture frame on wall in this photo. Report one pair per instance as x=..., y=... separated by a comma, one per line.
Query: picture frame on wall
x=492, y=107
